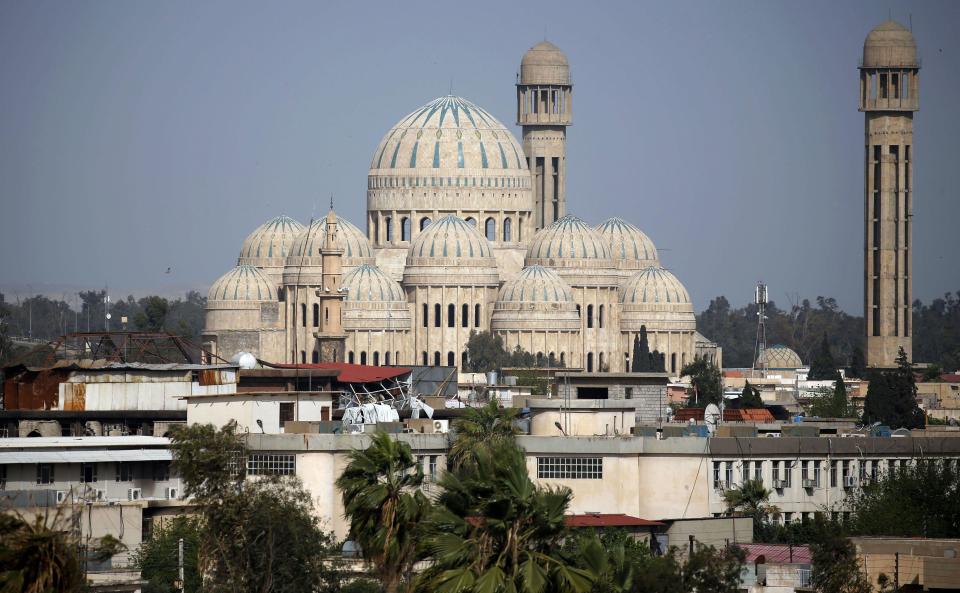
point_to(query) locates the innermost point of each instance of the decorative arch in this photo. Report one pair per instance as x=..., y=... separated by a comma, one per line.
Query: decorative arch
x=507, y=230
x=490, y=229
x=425, y=222
x=405, y=228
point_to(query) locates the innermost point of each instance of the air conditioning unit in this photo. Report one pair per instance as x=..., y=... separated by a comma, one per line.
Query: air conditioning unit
x=134, y=494
x=808, y=483
x=173, y=493
x=849, y=481
x=62, y=496
x=441, y=426
x=779, y=484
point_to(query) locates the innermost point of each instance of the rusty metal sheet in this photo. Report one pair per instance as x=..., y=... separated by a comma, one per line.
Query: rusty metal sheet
x=75, y=396
x=210, y=377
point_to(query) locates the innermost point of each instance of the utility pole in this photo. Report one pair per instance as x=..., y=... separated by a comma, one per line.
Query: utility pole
x=180, y=584
x=896, y=571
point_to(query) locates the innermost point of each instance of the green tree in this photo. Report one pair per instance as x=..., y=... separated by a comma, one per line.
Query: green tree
x=486, y=352
x=153, y=314
x=750, y=500
x=932, y=372
x=479, y=429
x=892, y=397
x=858, y=364
x=255, y=535
x=833, y=403
x=381, y=498
x=494, y=530
x=823, y=366
x=706, y=381
x=157, y=557
x=749, y=397
x=835, y=565
x=710, y=569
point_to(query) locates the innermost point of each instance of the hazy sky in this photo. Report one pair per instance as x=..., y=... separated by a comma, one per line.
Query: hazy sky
x=137, y=136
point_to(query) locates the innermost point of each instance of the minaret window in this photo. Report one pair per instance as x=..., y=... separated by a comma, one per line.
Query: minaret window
x=895, y=85
x=436, y=315
x=883, y=85
x=600, y=317
x=906, y=85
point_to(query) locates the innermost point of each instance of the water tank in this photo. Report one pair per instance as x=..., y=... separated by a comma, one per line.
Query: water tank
x=492, y=378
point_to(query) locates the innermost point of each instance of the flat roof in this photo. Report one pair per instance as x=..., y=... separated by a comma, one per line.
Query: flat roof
x=608, y=520
x=69, y=442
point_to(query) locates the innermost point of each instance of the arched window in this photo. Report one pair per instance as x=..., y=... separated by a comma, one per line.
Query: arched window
x=386, y=357
x=590, y=362
x=389, y=227
x=396, y=357
x=426, y=315
x=425, y=361
x=563, y=359
x=552, y=360
x=436, y=315
x=303, y=314
x=463, y=360
x=451, y=315
x=600, y=362
x=350, y=357
x=404, y=229
x=451, y=359
x=600, y=317
x=578, y=310
x=376, y=229
x=424, y=222
x=470, y=220
x=465, y=315
x=436, y=359
x=673, y=362
x=539, y=359
x=490, y=229
x=316, y=315
x=376, y=359
x=476, y=315
x=316, y=357
x=589, y=316
x=363, y=357
x=506, y=229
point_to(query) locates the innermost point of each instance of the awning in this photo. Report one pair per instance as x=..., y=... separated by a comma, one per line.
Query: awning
x=102, y=455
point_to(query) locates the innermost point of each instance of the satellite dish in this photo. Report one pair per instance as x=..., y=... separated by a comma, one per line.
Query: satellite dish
x=109, y=316
x=711, y=417
x=244, y=360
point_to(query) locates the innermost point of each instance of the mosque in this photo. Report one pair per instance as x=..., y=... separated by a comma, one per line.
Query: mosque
x=467, y=230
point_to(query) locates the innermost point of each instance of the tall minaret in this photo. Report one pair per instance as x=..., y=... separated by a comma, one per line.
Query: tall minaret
x=330, y=336
x=889, y=94
x=544, y=110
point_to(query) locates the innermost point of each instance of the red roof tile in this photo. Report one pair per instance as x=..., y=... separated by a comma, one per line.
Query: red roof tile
x=729, y=415
x=353, y=373
x=608, y=520
x=777, y=553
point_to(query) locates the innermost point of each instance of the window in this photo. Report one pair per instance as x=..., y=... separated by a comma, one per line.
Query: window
x=775, y=465
x=874, y=470
x=424, y=223
x=436, y=359
x=673, y=362
x=451, y=315
x=263, y=464
x=833, y=474
x=451, y=359
x=316, y=315
x=389, y=227
x=590, y=362
x=465, y=315
x=432, y=468
x=376, y=359
x=471, y=221
x=426, y=315
x=350, y=358
x=404, y=229
x=788, y=473
x=464, y=359
x=490, y=229
x=425, y=358
x=88, y=472
x=286, y=412
x=570, y=468
x=816, y=474
x=716, y=475
x=863, y=471
x=600, y=317
x=728, y=476
x=303, y=357
x=506, y=229
x=436, y=315
x=363, y=357
x=845, y=470
x=161, y=471
x=316, y=356
x=476, y=315
x=589, y=316
x=303, y=314
x=758, y=471
x=906, y=85
x=883, y=85
x=745, y=472
x=44, y=473
x=124, y=472
x=386, y=358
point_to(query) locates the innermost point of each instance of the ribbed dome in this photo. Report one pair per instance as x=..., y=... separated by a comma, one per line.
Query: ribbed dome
x=654, y=286
x=568, y=238
x=536, y=284
x=270, y=241
x=890, y=44
x=448, y=238
x=779, y=356
x=356, y=247
x=449, y=136
x=629, y=246
x=366, y=283
x=243, y=283
x=544, y=63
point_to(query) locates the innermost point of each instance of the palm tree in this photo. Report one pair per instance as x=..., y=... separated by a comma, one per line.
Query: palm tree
x=493, y=530
x=381, y=499
x=482, y=427
x=38, y=556
x=750, y=499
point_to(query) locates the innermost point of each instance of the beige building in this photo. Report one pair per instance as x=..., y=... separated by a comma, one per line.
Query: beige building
x=467, y=230
x=889, y=94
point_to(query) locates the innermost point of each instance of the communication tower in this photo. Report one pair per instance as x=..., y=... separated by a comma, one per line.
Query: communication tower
x=760, y=298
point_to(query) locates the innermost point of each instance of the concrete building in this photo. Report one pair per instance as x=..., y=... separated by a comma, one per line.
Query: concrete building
x=467, y=229
x=889, y=95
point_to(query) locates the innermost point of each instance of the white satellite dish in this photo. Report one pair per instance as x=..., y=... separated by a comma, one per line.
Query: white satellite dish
x=244, y=360
x=711, y=417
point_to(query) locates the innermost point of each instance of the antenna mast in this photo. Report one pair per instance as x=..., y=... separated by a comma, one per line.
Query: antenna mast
x=760, y=298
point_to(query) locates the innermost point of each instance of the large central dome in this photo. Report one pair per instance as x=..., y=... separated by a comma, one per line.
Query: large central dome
x=448, y=157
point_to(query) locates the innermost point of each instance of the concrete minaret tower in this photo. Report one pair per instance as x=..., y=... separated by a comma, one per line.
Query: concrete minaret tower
x=889, y=94
x=544, y=110
x=330, y=335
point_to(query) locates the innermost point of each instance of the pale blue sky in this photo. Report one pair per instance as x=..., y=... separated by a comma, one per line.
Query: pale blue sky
x=138, y=136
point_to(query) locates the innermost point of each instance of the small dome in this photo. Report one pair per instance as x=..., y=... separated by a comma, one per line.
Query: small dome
x=779, y=356
x=448, y=238
x=366, y=283
x=536, y=284
x=890, y=44
x=243, y=283
x=544, y=63
x=654, y=286
x=629, y=246
x=356, y=247
x=568, y=238
x=270, y=241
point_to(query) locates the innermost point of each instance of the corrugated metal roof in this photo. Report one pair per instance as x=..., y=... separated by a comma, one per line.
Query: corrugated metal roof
x=777, y=553
x=100, y=364
x=352, y=373
x=88, y=456
x=608, y=520
x=74, y=442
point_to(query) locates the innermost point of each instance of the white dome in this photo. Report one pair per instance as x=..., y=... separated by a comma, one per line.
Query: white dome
x=537, y=300
x=779, y=356
x=305, y=249
x=243, y=283
x=654, y=286
x=270, y=242
x=450, y=237
x=366, y=283
x=536, y=284
x=630, y=247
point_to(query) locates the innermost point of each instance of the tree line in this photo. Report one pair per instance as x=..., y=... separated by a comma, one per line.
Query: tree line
x=801, y=327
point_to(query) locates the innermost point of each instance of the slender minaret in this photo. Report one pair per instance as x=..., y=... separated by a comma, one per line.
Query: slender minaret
x=330, y=336
x=889, y=94
x=544, y=110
